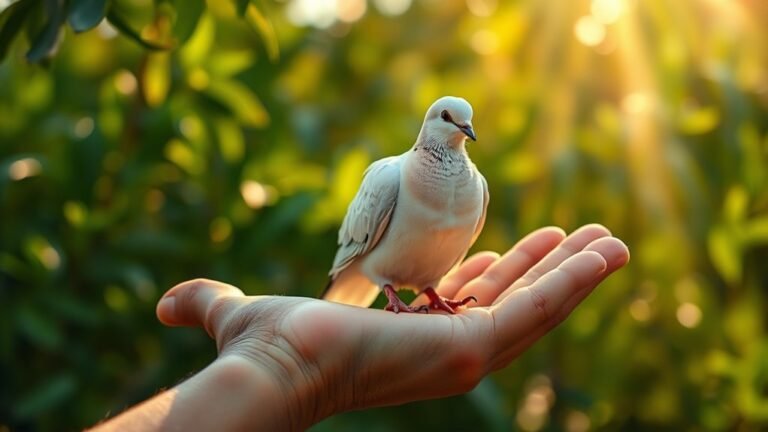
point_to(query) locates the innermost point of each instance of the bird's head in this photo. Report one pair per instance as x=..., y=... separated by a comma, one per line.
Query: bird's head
x=449, y=119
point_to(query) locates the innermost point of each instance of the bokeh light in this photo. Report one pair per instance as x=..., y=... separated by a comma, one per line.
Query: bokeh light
x=589, y=31
x=23, y=168
x=689, y=315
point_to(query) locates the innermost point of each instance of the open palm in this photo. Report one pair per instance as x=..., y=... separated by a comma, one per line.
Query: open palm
x=332, y=357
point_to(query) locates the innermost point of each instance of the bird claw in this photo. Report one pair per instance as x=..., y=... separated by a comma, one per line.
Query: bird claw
x=396, y=305
x=438, y=302
x=402, y=307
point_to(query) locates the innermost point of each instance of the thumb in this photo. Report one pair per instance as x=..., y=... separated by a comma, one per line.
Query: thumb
x=198, y=303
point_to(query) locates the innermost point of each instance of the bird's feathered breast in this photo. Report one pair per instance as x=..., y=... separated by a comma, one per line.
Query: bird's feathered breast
x=443, y=179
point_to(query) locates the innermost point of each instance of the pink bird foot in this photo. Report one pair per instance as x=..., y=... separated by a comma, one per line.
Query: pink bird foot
x=438, y=302
x=396, y=305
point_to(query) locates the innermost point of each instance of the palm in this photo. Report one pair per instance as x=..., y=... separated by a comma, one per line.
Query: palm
x=374, y=357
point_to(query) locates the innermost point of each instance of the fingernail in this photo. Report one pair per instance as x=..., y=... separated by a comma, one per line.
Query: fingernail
x=167, y=307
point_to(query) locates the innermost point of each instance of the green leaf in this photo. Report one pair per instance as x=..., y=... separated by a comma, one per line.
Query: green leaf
x=47, y=40
x=52, y=392
x=231, y=140
x=696, y=121
x=188, y=14
x=756, y=231
x=240, y=100
x=725, y=253
x=198, y=46
x=11, y=21
x=264, y=28
x=119, y=23
x=156, y=80
x=39, y=328
x=230, y=63
x=86, y=14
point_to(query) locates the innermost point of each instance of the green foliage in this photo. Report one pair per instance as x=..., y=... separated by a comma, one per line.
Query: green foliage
x=165, y=140
x=173, y=23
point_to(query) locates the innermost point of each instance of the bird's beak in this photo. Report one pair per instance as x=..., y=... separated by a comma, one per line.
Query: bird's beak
x=468, y=131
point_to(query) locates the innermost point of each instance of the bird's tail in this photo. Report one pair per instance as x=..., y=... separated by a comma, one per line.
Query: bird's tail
x=351, y=287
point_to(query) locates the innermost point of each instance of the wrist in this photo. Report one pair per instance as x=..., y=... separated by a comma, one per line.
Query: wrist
x=261, y=397
x=233, y=393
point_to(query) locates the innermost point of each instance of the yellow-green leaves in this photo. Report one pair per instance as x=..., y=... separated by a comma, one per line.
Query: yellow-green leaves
x=231, y=140
x=264, y=27
x=725, y=253
x=156, y=78
x=699, y=120
x=240, y=100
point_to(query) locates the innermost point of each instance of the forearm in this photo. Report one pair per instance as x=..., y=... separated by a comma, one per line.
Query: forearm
x=228, y=395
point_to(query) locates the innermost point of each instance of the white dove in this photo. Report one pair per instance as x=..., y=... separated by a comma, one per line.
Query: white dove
x=414, y=216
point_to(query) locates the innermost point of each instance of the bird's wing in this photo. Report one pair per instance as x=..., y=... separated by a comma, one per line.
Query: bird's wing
x=366, y=221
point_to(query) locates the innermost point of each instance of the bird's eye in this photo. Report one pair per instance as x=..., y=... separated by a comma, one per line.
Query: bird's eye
x=445, y=116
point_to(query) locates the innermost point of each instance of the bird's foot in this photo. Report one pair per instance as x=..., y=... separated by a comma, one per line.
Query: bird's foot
x=441, y=303
x=396, y=305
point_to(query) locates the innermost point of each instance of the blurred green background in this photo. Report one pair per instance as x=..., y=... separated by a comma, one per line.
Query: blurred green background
x=224, y=139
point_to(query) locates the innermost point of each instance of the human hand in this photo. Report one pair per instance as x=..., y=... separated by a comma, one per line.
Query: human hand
x=327, y=358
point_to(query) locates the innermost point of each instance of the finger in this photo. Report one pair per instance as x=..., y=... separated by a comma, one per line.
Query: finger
x=471, y=268
x=198, y=302
x=572, y=244
x=616, y=256
x=516, y=262
x=529, y=308
x=613, y=250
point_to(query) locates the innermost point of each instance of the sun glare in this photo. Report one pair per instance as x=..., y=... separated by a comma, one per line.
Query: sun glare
x=589, y=31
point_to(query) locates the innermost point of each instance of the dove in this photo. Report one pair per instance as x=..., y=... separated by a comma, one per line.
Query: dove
x=414, y=217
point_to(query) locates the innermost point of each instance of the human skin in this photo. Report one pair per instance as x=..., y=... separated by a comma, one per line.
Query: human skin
x=286, y=363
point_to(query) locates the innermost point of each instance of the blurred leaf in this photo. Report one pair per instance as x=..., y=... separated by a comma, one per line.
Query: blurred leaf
x=229, y=63
x=156, y=80
x=54, y=391
x=182, y=155
x=76, y=213
x=521, y=167
x=11, y=21
x=487, y=398
x=735, y=206
x=151, y=243
x=198, y=46
x=116, y=298
x=348, y=176
x=15, y=267
x=756, y=231
x=188, y=13
x=699, y=120
x=119, y=23
x=47, y=39
x=725, y=254
x=75, y=310
x=38, y=327
x=264, y=27
x=86, y=14
x=241, y=101
x=231, y=140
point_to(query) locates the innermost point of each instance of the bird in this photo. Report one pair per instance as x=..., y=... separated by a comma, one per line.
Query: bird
x=413, y=218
